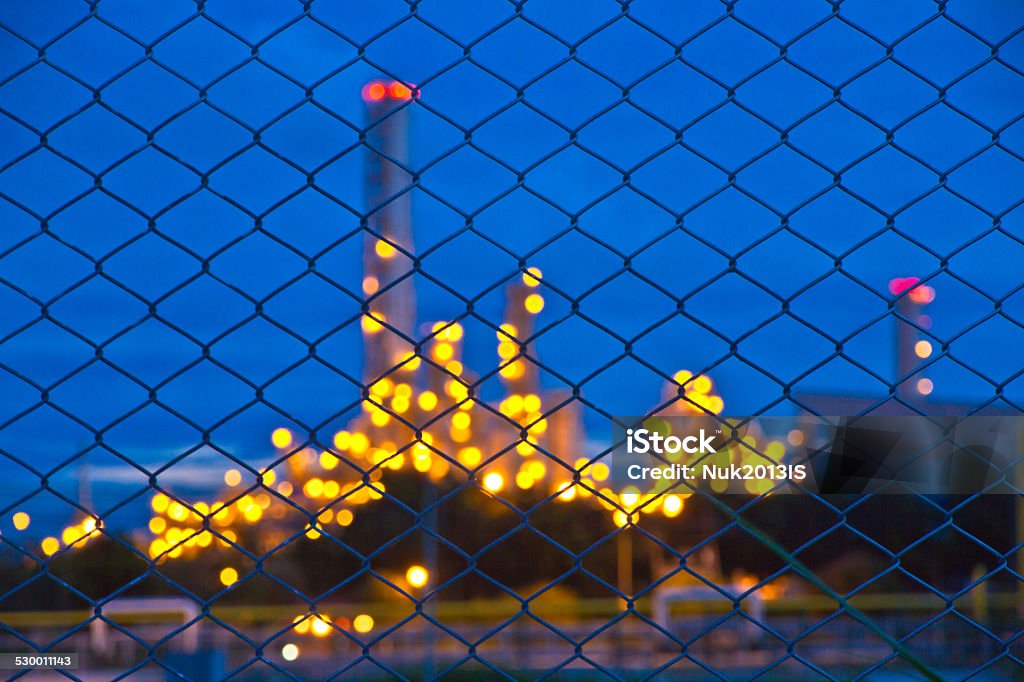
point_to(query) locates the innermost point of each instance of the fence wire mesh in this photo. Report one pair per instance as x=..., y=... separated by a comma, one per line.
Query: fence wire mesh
x=256, y=259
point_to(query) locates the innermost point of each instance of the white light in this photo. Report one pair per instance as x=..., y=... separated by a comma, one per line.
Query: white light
x=289, y=652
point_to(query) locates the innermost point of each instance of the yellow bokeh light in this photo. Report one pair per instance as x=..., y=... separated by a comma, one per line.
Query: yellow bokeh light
x=320, y=626
x=382, y=388
x=157, y=525
x=417, y=576
x=328, y=460
x=21, y=520
x=281, y=438
x=470, y=456
x=512, y=405
x=384, y=249
x=342, y=440
x=513, y=370
x=373, y=322
x=531, y=403
x=253, y=514
x=370, y=285
x=314, y=487
x=50, y=546
x=331, y=489
x=427, y=400
x=177, y=511
x=362, y=623
x=360, y=443
x=461, y=420
x=409, y=361
x=507, y=332
x=444, y=352
x=682, y=376
x=494, y=481
x=156, y=548
x=672, y=505
x=701, y=384
x=71, y=535
x=233, y=477
x=452, y=332
x=421, y=461
x=923, y=349
x=524, y=480
x=344, y=517
x=534, y=303
x=228, y=576
x=160, y=503
x=531, y=277
x=457, y=390
x=507, y=350
x=567, y=492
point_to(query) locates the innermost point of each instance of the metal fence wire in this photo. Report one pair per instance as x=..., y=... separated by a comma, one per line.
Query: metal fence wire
x=316, y=314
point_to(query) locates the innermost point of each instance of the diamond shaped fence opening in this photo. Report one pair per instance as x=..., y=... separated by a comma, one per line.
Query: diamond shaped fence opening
x=314, y=317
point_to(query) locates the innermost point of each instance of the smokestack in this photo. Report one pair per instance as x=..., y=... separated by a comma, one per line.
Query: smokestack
x=911, y=347
x=390, y=321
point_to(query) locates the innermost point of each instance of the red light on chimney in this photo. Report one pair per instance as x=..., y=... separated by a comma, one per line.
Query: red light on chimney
x=374, y=91
x=399, y=91
x=898, y=285
x=919, y=293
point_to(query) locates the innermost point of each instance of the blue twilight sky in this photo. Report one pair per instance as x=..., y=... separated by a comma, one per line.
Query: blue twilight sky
x=807, y=148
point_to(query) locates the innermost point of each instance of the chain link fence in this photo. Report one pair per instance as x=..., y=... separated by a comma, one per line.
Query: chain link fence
x=315, y=317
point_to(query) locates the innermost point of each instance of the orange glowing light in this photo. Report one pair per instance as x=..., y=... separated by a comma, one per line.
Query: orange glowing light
x=417, y=576
x=399, y=91
x=375, y=91
x=922, y=295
